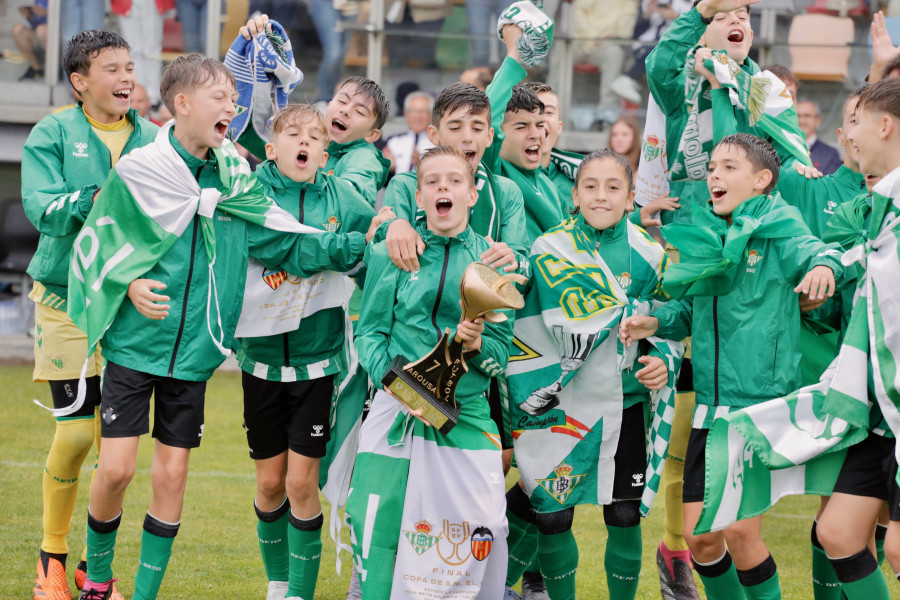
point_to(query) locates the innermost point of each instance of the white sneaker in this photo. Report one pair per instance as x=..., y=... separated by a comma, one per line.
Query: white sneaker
x=627, y=88
x=277, y=590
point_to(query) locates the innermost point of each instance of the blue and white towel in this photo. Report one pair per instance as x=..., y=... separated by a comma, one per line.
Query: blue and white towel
x=265, y=74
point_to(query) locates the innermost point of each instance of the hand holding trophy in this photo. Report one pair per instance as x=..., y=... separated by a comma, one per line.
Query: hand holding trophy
x=429, y=384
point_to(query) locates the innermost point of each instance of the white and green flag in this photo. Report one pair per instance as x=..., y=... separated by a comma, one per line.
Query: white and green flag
x=145, y=205
x=564, y=376
x=793, y=445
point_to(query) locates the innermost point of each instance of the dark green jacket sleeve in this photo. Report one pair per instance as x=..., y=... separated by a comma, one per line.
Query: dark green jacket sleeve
x=304, y=254
x=499, y=92
x=674, y=319
x=665, y=64
x=801, y=254
x=366, y=170
x=724, y=122
x=52, y=205
x=401, y=196
x=512, y=216
x=494, y=354
x=376, y=318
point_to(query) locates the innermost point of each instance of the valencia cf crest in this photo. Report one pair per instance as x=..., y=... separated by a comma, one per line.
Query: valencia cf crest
x=332, y=225
x=562, y=483
x=421, y=539
x=482, y=540
x=274, y=279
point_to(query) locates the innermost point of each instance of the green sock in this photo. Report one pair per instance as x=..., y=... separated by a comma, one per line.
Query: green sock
x=156, y=548
x=720, y=579
x=860, y=577
x=623, y=561
x=101, y=546
x=305, y=540
x=825, y=582
x=522, y=544
x=770, y=589
x=559, y=561
x=880, y=534
x=272, y=531
x=535, y=565
x=872, y=587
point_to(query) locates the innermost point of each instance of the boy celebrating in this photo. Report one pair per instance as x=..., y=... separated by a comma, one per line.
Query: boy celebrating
x=65, y=160
x=750, y=360
x=409, y=499
x=289, y=378
x=868, y=476
x=354, y=118
x=181, y=206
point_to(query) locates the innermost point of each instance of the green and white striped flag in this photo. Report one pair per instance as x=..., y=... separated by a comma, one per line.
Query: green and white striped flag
x=763, y=96
x=427, y=511
x=565, y=372
x=793, y=445
x=143, y=208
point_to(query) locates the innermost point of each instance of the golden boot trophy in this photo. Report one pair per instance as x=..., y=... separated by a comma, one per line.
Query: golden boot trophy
x=429, y=384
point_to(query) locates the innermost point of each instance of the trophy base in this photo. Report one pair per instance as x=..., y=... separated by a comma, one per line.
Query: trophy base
x=417, y=396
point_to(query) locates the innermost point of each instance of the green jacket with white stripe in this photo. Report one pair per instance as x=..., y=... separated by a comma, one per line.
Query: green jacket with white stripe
x=406, y=313
x=315, y=349
x=63, y=164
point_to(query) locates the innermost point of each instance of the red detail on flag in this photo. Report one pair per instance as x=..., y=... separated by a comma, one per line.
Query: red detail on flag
x=577, y=424
x=517, y=433
x=274, y=278
x=568, y=430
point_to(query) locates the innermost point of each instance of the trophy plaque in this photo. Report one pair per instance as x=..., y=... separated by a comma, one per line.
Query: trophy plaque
x=429, y=384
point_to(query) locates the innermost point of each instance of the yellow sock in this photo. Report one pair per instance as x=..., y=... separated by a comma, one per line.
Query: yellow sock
x=71, y=444
x=673, y=472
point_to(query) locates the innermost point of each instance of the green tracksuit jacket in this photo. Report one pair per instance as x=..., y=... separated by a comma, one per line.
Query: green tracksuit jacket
x=406, y=313
x=361, y=165
x=180, y=345
x=63, y=164
x=665, y=78
x=746, y=344
x=329, y=203
x=543, y=208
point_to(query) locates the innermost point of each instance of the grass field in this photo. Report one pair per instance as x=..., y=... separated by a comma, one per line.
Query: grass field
x=216, y=555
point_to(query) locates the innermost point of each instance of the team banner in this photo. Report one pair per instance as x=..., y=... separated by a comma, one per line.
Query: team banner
x=652, y=178
x=762, y=96
x=137, y=218
x=793, y=445
x=435, y=502
x=565, y=372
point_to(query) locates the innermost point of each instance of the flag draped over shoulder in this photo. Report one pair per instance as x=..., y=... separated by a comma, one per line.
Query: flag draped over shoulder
x=565, y=373
x=762, y=95
x=793, y=445
x=146, y=204
x=652, y=178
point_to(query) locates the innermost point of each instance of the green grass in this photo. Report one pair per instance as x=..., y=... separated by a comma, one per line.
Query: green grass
x=216, y=555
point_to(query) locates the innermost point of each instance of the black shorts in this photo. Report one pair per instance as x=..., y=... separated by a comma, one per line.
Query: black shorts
x=177, y=406
x=282, y=415
x=495, y=402
x=695, y=466
x=631, y=454
x=869, y=469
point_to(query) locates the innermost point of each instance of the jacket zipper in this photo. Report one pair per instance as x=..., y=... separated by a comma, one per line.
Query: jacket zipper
x=184, y=303
x=437, y=301
x=716, y=334
x=284, y=336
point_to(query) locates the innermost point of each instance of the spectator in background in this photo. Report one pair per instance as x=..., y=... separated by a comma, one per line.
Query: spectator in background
x=786, y=76
x=325, y=17
x=824, y=157
x=31, y=39
x=140, y=101
x=480, y=77
x=192, y=16
x=404, y=149
x=76, y=16
x=141, y=23
x=598, y=23
x=482, y=16
x=655, y=18
x=425, y=18
x=625, y=138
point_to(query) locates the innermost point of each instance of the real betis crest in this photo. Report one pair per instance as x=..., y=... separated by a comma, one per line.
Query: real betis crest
x=652, y=148
x=421, y=539
x=753, y=257
x=274, y=278
x=624, y=279
x=332, y=225
x=563, y=482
